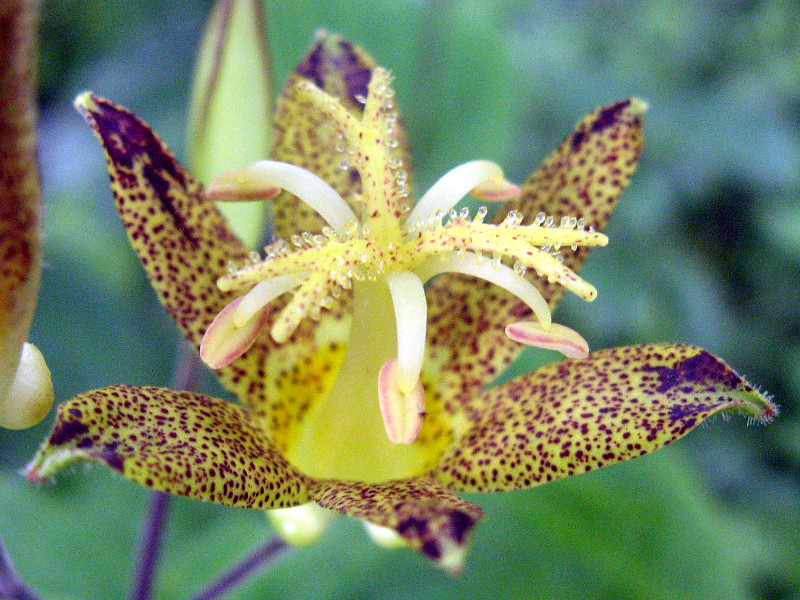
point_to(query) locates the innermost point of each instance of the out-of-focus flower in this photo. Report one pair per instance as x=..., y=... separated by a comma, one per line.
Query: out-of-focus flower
x=365, y=392
x=26, y=390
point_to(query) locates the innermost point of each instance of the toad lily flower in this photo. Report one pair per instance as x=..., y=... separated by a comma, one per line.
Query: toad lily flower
x=367, y=316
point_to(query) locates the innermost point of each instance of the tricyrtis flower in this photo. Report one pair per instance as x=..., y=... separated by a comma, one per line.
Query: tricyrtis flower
x=362, y=341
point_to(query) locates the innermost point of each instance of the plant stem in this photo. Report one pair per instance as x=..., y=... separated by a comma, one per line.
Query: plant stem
x=261, y=557
x=187, y=374
x=11, y=585
x=150, y=546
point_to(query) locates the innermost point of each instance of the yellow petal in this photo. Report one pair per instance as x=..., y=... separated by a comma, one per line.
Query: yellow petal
x=180, y=236
x=586, y=175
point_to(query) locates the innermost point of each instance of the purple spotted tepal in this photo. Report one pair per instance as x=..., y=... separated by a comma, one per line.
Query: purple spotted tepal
x=361, y=343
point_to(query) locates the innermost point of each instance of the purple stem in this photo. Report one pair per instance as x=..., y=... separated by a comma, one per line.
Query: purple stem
x=187, y=374
x=260, y=558
x=11, y=585
x=150, y=546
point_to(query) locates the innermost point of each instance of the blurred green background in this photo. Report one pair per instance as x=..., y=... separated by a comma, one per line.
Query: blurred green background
x=705, y=249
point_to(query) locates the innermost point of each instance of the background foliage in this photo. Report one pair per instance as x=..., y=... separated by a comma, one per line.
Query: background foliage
x=705, y=249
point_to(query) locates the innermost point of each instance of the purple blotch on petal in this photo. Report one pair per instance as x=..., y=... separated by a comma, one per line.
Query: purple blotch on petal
x=609, y=115
x=66, y=431
x=111, y=457
x=701, y=368
x=461, y=524
x=126, y=139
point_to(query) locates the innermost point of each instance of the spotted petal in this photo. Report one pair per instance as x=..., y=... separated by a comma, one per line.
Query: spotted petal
x=429, y=517
x=586, y=175
x=180, y=236
x=178, y=442
x=583, y=178
x=578, y=415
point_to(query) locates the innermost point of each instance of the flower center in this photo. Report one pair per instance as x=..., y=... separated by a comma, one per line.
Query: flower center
x=386, y=255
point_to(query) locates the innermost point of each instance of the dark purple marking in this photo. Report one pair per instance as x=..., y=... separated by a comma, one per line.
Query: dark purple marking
x=701, y=368
x=311, y=67
x=461, y=524
x=126, y=138
x=75, y=412
x=432, y=550
x=160, y=186
x=577, y=140
x=608, y=116
x=669, y=378
x=112, y=457
x=679, y=412
x=413, y=527
x=66, y=431
x=341, y=58
x=356, y=75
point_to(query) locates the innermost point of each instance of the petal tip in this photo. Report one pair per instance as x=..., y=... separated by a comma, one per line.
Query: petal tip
x=32, y=474
x=638, y=106
x=84, y=102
